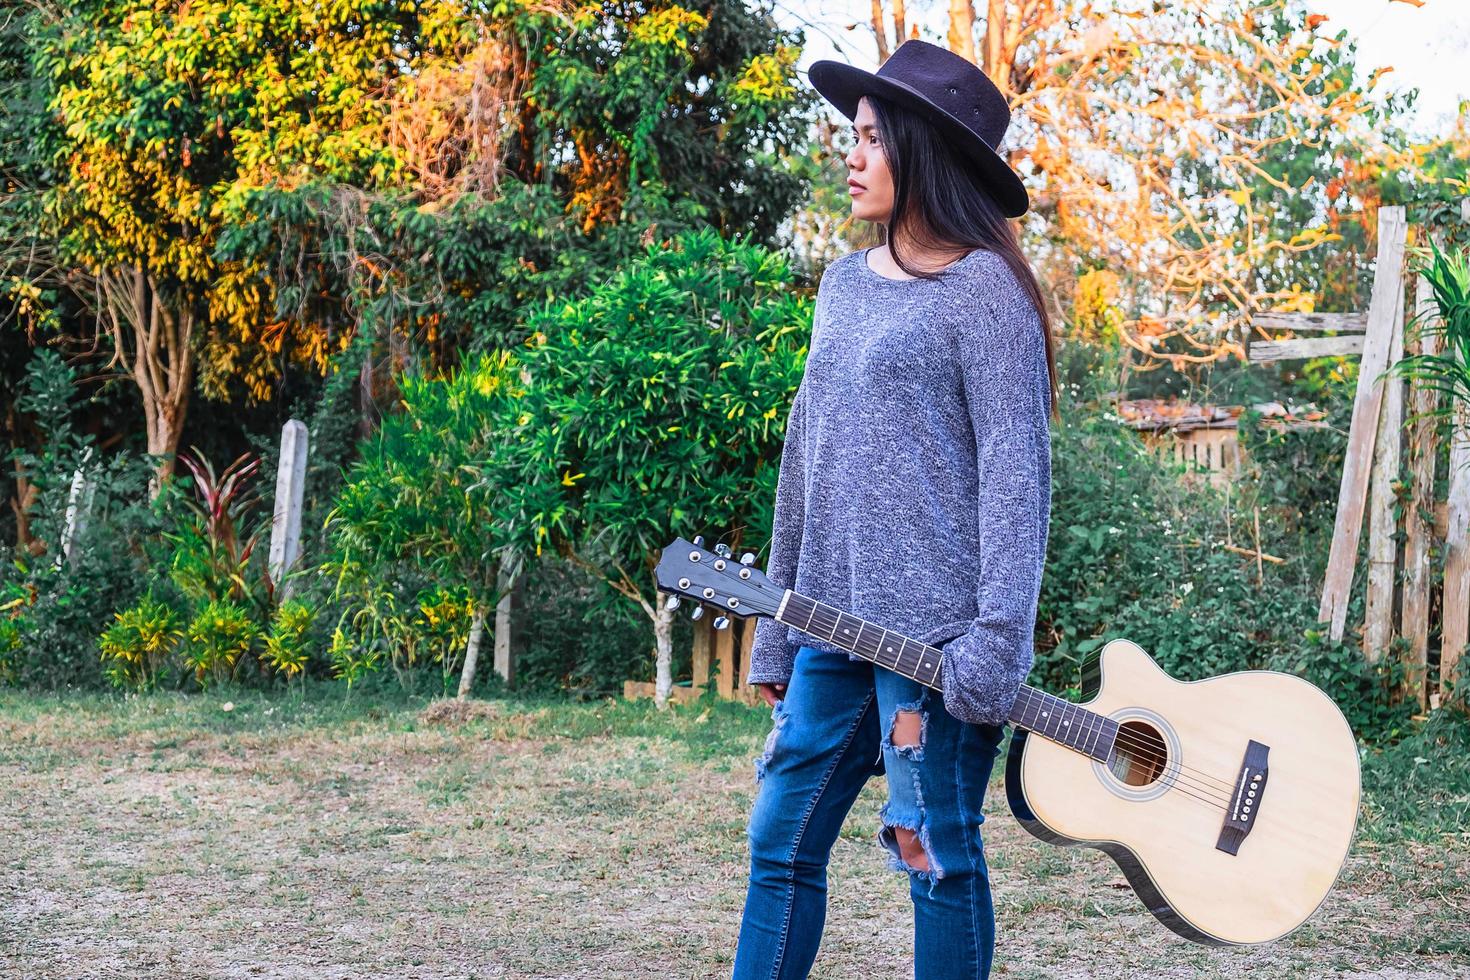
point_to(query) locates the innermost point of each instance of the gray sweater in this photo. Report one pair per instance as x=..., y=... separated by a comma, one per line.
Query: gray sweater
x=915, y=480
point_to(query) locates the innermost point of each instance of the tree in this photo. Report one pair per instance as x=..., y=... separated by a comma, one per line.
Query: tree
x=654, y=407
x=415, y=498
x=538, y=147
x=1183, y=150
x=236, y=94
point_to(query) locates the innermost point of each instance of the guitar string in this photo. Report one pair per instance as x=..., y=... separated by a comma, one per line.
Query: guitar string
x=1217, y=797
x=1178, y=783
x=1127, y=739
x=1194, y=781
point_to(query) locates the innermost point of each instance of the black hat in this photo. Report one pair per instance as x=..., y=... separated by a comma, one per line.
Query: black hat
x=953, y=94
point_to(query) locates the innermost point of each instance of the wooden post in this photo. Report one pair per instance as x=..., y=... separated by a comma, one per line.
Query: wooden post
x=701, y=653
x=78, y=509
x=748, y=692
x=290, y=491
x=1456, y=602
x=511, y=585
x=1378, y=631
x=1353, y=492
x=1419, y=521
x=724, y=645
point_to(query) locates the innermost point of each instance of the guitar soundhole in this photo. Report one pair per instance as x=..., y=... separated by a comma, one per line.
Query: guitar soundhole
x=1138, y=754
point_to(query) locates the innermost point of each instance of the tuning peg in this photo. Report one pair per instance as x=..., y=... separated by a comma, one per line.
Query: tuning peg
x=721, y=622
x=699, y=541
x=722, y=549
x=748, y=558
x=673, y=602
x=698, y=612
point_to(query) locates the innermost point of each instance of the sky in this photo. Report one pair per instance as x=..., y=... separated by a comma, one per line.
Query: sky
x=1428, y=46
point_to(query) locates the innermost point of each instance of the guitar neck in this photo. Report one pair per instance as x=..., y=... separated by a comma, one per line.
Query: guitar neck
x=1036, y=711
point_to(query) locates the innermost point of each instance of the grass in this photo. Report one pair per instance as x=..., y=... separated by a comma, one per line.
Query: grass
x=240, y=834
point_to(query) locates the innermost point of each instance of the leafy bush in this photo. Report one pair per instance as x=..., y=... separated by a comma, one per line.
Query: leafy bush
x=288, y=646
x=1136, y=552
x=220, y=638
x=139, y=645
x=413, y=543
x=55, y=606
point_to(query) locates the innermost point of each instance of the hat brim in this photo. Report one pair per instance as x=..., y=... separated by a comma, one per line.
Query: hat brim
x=843, y=86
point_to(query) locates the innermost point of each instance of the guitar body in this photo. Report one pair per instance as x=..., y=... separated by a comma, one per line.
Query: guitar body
x=1159, y=813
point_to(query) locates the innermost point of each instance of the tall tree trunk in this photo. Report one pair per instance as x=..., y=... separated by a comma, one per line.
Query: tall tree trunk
x=879, y=31
x=962, y=29
x=155, y=343
x=472, y=650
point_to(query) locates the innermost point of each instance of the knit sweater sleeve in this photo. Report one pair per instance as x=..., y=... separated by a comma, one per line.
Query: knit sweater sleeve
x=1007, y=392
x=772, y=655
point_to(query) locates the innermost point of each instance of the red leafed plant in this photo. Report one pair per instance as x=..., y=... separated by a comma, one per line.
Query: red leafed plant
x=213, y=550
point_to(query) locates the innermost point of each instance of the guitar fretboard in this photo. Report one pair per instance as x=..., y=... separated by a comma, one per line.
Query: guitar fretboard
x=1036, y=711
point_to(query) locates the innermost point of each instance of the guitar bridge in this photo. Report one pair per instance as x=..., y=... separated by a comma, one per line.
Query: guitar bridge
x=1245, y=802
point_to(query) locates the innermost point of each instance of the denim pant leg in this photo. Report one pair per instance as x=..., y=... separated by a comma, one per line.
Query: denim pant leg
x=936, y=789
x=822, y=748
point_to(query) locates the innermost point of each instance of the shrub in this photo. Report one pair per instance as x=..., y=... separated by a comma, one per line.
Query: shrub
x=55, y=607
x=137, y=647
x=1136, y=552
x=288, y=646
x=220, y=637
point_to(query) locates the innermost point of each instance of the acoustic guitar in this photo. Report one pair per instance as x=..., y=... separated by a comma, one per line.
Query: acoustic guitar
x=1229, y=803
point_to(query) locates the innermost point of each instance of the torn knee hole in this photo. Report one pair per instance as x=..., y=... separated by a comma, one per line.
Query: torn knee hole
x=910, y=851
x=906, y=732
x=907, y=729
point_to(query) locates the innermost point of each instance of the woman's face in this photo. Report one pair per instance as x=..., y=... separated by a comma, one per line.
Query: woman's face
x=869, y=184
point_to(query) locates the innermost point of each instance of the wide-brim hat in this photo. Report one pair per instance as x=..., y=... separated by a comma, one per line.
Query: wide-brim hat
x=953, y=94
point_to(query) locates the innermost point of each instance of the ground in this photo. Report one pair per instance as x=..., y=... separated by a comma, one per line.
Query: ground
x=275, y=836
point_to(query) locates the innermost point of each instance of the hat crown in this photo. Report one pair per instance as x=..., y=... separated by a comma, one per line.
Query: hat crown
x=951, y=83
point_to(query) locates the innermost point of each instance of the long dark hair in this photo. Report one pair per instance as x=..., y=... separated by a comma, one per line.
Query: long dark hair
x=941, y=203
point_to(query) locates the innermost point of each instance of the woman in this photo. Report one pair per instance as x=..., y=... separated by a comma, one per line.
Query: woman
x=914, y=492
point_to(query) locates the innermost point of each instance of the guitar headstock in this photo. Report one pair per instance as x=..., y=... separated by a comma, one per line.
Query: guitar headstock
x=714, y=578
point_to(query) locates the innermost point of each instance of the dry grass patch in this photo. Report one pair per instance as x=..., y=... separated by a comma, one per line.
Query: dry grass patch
x=168, y=838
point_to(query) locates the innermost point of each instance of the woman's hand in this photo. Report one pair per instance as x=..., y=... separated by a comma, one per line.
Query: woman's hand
x=772, y=692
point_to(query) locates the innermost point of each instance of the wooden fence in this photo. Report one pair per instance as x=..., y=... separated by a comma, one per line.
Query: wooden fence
x=1382, y=453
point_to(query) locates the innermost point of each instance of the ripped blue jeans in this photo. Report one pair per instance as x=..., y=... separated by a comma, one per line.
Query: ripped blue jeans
x=831, y=733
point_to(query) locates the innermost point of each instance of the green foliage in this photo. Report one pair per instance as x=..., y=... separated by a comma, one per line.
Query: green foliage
x=1135, y=552
x=656, y=405
x=53, y=607
x=1447, y=372
x=219, y=638
x=414, y=545
x=288, y=646
x=1419, y=788
x=10, y=646
x=138, y=646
